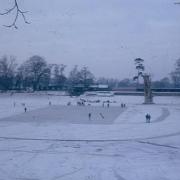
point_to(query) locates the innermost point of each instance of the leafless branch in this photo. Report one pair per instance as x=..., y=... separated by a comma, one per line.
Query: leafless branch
x=18, y=12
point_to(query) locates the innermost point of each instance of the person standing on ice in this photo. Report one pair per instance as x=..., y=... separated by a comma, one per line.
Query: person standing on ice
x=101, y=115
x=148, y=118
x=89, y=115
x=25, y=109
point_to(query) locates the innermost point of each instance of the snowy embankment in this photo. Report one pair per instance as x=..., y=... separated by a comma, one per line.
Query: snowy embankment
x=71, y=123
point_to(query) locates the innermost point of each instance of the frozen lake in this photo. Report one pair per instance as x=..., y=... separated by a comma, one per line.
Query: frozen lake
x=60, y=142
x=64, y=114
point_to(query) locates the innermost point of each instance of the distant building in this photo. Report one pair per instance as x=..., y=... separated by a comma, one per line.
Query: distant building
x=99, y=87
x=125, y=89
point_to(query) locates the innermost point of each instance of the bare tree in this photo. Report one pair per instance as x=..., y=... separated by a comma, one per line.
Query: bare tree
x=59, y=77
x=36, y=71
x=74, y=76
x=86, y=77
x=79, y=80
x=7, y=72
x=18, y=12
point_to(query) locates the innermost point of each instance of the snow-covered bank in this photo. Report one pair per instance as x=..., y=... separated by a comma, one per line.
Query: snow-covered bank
x=59, y=142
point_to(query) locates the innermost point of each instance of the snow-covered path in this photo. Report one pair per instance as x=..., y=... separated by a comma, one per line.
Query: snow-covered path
x=39, y=145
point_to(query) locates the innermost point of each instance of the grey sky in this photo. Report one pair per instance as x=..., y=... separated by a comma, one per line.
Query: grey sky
x=105, y=35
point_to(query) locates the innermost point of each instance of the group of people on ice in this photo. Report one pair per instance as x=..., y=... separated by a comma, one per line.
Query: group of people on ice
x=106, y=103
x=83, y=102
x=123, y=105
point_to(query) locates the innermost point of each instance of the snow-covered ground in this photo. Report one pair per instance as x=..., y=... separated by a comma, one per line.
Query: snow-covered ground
x=52, y=142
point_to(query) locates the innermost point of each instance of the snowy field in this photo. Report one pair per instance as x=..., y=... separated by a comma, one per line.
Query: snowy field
x=53, y=141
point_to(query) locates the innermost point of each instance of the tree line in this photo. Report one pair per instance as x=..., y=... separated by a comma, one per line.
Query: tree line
x=36, y=74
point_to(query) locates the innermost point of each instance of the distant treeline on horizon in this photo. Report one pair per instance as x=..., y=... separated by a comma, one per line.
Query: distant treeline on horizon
x=36, y=74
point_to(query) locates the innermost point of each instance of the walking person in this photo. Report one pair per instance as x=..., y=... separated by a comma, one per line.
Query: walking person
x=148, y=117
x=89, y=116
x=121, y=105
x=25, y=109
x=101, y=115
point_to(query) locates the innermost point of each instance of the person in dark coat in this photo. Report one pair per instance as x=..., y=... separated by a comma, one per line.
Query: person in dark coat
x=148, y=118
x=89, y=115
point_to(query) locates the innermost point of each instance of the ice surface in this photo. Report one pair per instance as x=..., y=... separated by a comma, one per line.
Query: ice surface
x=59, y=142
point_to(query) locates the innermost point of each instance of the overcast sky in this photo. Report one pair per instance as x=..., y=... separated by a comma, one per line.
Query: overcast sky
x=105, y=35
